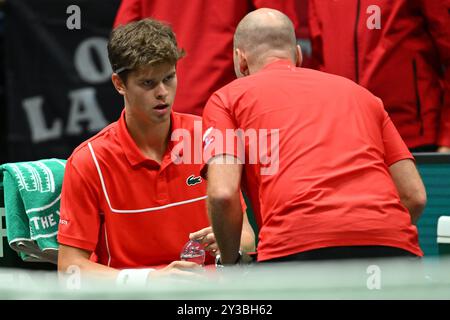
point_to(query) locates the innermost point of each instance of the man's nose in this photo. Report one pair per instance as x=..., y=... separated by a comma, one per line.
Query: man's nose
x=161, y=91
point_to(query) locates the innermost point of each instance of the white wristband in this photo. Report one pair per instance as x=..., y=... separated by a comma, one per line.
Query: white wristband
x=133, y=277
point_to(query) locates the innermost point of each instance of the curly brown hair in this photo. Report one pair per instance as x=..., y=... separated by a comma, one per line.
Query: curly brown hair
x=142, y=43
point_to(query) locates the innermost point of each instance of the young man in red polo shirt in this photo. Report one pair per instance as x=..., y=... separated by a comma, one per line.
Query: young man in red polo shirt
x=125, y=202
x=333, y=179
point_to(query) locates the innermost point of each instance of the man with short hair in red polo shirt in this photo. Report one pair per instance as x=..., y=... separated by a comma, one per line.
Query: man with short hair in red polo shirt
x=126, y=202
x=326, y=171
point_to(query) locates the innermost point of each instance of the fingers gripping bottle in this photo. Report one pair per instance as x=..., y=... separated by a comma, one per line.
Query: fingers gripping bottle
x=193, y=251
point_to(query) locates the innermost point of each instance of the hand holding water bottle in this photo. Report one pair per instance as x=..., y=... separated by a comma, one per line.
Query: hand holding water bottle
x=193, y=251
x=206, y=237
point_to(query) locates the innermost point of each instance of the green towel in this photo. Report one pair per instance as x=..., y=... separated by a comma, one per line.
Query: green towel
x=32, y=193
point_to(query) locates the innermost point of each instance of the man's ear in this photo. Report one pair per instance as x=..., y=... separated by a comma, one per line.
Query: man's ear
x=243, y=63
x=118, y=84
x=299, y=56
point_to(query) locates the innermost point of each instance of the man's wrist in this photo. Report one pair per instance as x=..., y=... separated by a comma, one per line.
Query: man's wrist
x=238, y=260
x=133, y=277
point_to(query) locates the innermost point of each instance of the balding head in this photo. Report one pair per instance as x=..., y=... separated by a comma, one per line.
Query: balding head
x=266, y=33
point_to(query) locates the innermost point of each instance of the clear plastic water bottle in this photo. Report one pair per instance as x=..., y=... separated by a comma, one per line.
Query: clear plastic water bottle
x=193, y=251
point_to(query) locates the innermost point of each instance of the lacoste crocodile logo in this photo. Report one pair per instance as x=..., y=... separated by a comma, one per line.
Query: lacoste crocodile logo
x=193, y=180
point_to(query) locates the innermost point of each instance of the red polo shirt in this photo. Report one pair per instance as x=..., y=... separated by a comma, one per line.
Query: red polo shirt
x=331, y=185
x=126, y=208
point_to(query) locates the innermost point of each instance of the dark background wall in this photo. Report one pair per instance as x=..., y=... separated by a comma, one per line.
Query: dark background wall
x=57, y=76
x=2, y=87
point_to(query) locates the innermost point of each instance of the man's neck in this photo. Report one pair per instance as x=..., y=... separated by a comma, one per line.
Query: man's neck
x=151, y=139
x=260, y=64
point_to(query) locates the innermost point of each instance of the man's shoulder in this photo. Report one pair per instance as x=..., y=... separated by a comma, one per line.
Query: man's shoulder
x=99, y=140
x=235, y=88
x=336, y=82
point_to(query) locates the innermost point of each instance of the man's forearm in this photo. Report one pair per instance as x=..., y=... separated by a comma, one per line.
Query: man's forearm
x=68, y=261
x=415, y=209
x=410, y=187
x=247, y=241
x=224, y=205
x=247, y=236
x=226, y=220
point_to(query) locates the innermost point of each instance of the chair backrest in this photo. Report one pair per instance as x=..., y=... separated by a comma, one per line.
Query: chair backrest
x=8, y=257
x=443, y=235
x=2, y=223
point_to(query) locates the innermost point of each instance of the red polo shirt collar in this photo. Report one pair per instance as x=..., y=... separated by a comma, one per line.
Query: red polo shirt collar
x=133, y=154
x=279, y=64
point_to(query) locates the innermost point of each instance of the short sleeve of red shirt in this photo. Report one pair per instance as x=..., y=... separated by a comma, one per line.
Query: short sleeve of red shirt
x=394, y=147
x=218, y=130
x=217, y=119
x=79, y=213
